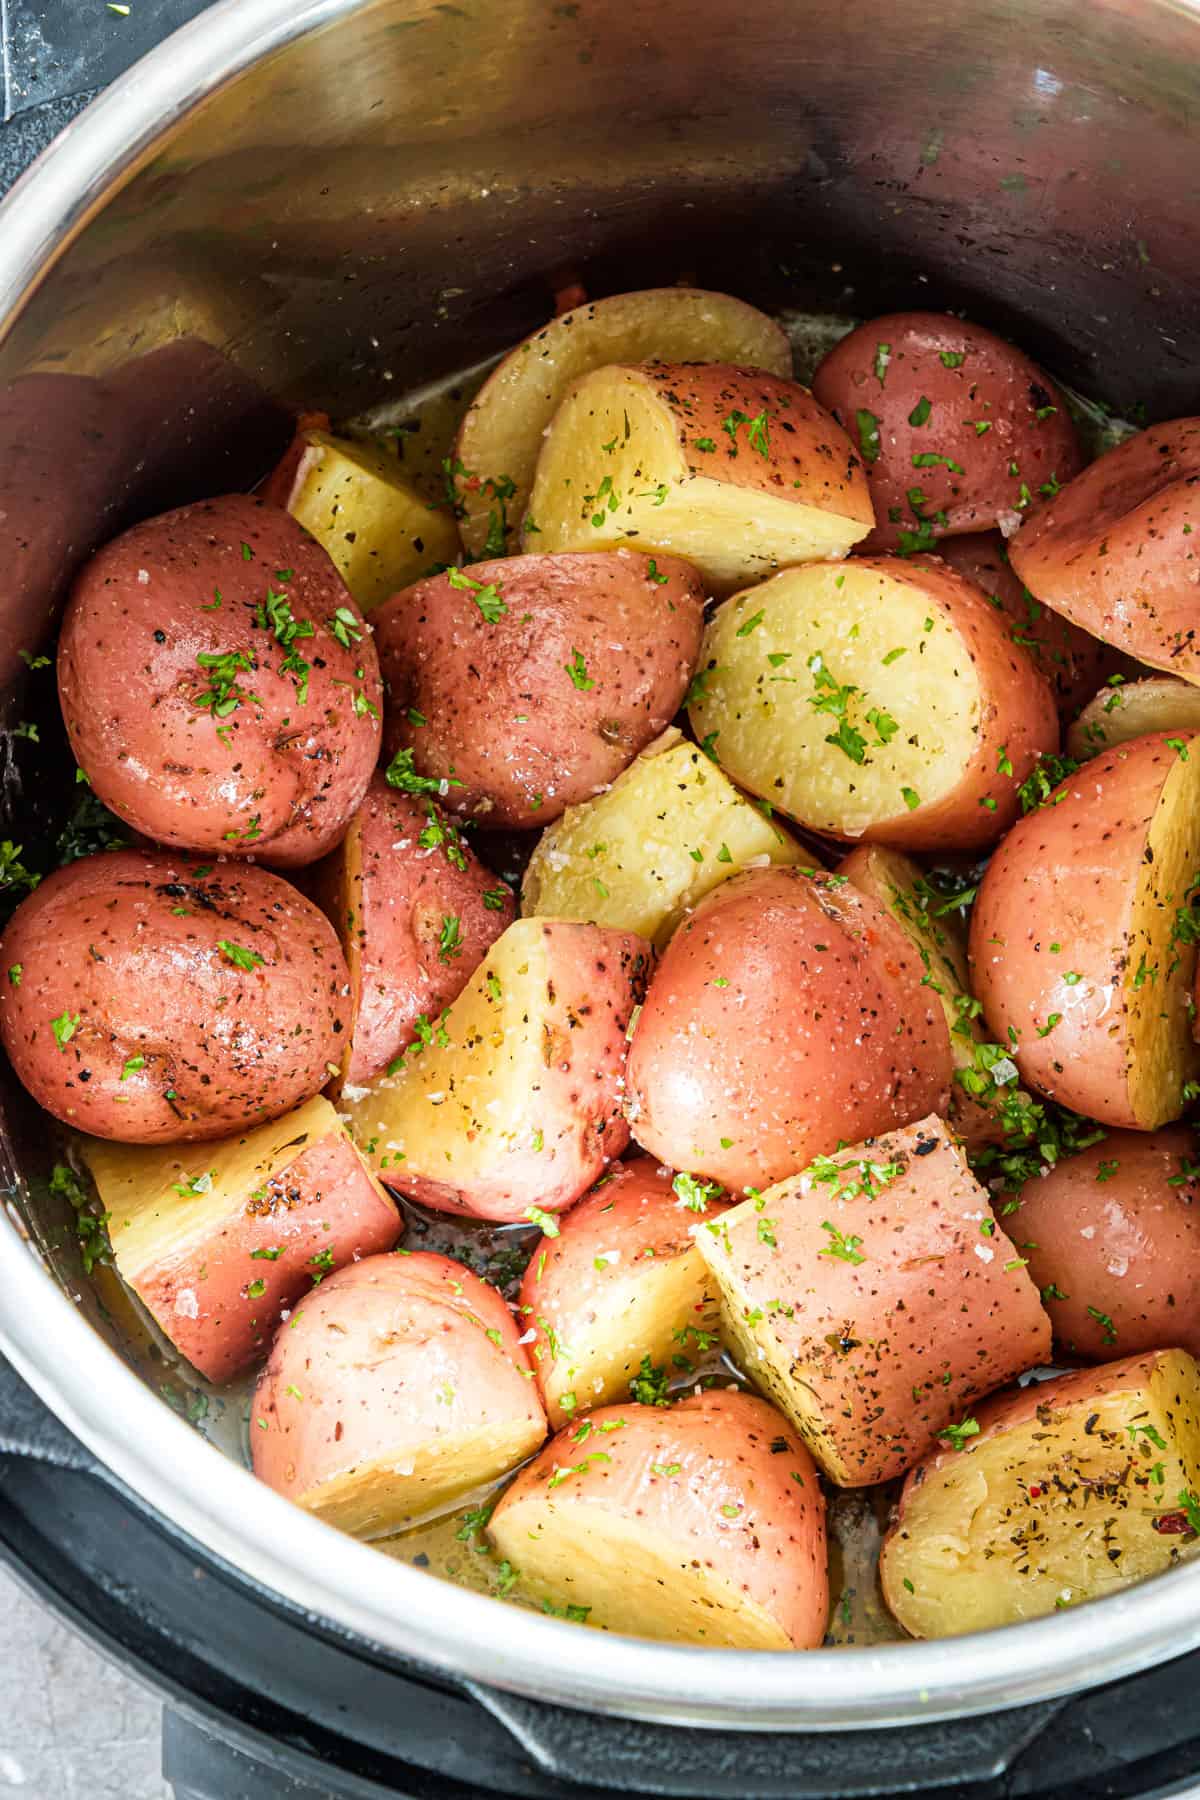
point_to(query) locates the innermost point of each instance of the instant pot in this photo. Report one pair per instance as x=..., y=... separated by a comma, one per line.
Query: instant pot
x=316, y=203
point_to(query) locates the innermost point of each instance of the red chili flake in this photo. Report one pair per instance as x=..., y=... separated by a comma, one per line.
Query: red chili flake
x=1035, y=1492
x=1172, y=1523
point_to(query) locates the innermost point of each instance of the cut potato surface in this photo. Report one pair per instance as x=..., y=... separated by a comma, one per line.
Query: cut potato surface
x=1066, y=1491
x=1082, y=941
x=700, y=1523
x=877, y=699
x=1122, y=711
x=502, y=432
x=510, y=1102
x=639, y=856
x=873, y=1297
x=737, y=471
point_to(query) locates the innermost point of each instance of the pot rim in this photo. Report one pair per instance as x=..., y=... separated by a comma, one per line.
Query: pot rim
x=273, y=1543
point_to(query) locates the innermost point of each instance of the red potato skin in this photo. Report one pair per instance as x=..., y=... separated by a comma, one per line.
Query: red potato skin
x=1066, y=874
x=1072, y=661
x=106, y=941
x=503, y=717
x=1118, y=550
x=995, y=383
x=284, y=781
x=822, y=1034
x=370, y=1352
x=324, y=1204
x=406, y=892
x=1116, y=1231
x=725, y=1443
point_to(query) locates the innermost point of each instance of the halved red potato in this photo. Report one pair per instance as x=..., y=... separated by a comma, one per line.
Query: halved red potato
x=1116, y=550
x=217, y=1241
x=353, y=497
x=873, y=1297
x=620, y=1280
x=1082, y=949
x=880, y=698
x=218, y=683
x=786, y=1015
x=1113, y=1241
x=396, y=1390
x=152, y=999
x=959, y=430
x=736, y=470
x=1133, y=709
x=1072, y=661
x=508, y=1106
x=702, y=1523
x=416, y=912
x=527, y=685
x=502, y=432
x=1064, y=1491
x=640, y=855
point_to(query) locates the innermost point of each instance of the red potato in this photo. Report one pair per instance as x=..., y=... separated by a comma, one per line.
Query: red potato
x=786, y=1016
x=1072, y=661
x=397, y=1389
x=1132, y=709
x=416, y=912
x=218, y=684
x=700, y=1523
x=959, y=430
x=1113, y=1241
x=153, y=1000
x=217, y=1243
x=1116, y=550
x=620, y=1281
x=873, y=1297
x=527, y=685
x=1081, y=945
x=509, y=1105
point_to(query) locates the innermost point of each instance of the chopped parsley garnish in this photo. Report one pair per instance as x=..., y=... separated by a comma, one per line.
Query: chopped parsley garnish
x=131, y=1065
x=868, y=434
x=401, y=774
x=577, y=670
x=920, y=411
x=957, y=1435
x=649, y=1385
x=546, y=1222
x=64, y=1028
x=1047, y=773
x=223, y=695
x=450, y=942
x=696, y=1192
x=344, y=628
x=485, y=596
x=842, y=1248
x=239, y=956
x=275, y=614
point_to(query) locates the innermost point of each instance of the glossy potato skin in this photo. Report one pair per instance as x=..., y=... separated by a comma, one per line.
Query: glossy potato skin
x=107, y=941
x=821, y=1033
x=731, y=1449
x=1118, y=550
x=285, y=776
x=995, y=383
x=1113, y=1241
x=388, y=896
x=520, y=735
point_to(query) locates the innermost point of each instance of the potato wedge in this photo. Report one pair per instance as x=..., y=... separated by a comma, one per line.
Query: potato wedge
x=509, y=1104
x=701, y=1523
x=354, y=499
x=1133, y=709
x=1081, y=944
x=639, y=856
x=736, y=470
x=873, y=1297
x=880, y=699
x=621, y=1280
x=396, y=1390
x=501, y=435
x=1067, y=1490
x=217, y=1239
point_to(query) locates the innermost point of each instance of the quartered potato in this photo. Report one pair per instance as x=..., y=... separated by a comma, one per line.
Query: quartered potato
x=1082, y=945
x=501, y=435
x=640, y=855
x=873, y=1297
x=1132, y=709
x=738, y=471
x=1065, y=1491
x=700, y=1523
x=879, y=699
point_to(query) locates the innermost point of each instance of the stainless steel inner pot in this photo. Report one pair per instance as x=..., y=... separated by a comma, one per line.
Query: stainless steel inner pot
x=318, y=204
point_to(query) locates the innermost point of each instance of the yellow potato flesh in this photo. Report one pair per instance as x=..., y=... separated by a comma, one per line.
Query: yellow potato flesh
x=502, y=432
x=973, y=1549
x=615, y=429
x=1117, y=714
x=763, y=681
x=640, y=855
x=1160, y=970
